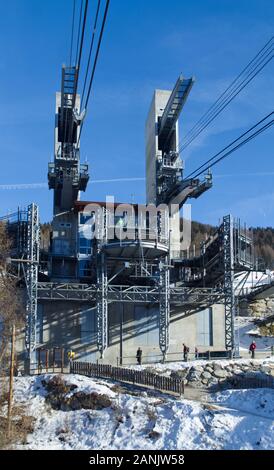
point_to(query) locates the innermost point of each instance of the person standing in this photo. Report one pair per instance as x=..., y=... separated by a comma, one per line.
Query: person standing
x=252, y=348
x=71, y=356
x=196, y=353
x=139, y=356
x=185, y=351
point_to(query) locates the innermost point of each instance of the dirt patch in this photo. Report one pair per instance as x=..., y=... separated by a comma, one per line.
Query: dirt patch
x=60, y=398
x=81, y=400
x=154, y=434
x=58, y=386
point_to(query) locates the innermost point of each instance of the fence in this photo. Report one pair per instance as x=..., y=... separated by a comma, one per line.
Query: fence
x=49, y=360
x=121, y=374
x=154, y=358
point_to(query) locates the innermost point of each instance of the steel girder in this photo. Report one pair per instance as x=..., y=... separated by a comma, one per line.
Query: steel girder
x=228, y=253
x=102, y=304
x=178, y=296
x=164, y=307
x=33, y=239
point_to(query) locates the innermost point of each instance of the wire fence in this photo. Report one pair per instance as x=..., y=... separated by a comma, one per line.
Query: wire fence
x=121, y=374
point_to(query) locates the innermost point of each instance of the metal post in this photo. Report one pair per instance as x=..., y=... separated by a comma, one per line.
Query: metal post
x=228, y=253
x=47, y=360
x=53, y=360
x=62, y=360
x=33, y=238
x=102, y=304
x=11, y=379
x=164, y=307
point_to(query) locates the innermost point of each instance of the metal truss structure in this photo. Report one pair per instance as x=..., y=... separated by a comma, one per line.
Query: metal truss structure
x=164, y=307
x=33, y=239
x=169, y=297
x=179, y=296
x=228, y=254
x=102, y=304
x=140, y=268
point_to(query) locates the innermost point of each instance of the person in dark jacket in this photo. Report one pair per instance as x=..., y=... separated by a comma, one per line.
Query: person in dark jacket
x=252, y=348
x=139, y=356
x=185, y=351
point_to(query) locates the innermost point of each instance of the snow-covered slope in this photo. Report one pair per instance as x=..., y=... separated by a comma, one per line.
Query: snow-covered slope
x=246, y=332
x=253, y=280
x=241, y=420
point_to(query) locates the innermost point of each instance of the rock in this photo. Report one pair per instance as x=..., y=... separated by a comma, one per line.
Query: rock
x=237, y=372
x=206, y=375
x=193, y=378
x=209, y=369
x=220, y=373
x=217, y=366
x=179, y=374
x=205, y=382
x=213, y=380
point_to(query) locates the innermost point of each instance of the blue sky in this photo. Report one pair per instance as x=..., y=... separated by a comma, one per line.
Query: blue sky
x=146, y=45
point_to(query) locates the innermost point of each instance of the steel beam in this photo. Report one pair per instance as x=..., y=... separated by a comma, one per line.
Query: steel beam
x=102, y=304
x=164, y=307
x=178, y=296
x=228, y=253
x=33, y=238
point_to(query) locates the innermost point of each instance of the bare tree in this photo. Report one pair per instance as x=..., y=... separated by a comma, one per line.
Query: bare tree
x=11, y=310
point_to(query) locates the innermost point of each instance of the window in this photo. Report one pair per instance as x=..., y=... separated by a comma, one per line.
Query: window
x=61, y=247
x=85, y=217
x=84, y=268
x=65, y=224
x=205, y=328
x=84, y=246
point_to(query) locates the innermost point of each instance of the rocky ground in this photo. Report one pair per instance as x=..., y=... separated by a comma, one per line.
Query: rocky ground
x=257, y=308
x=220, y=375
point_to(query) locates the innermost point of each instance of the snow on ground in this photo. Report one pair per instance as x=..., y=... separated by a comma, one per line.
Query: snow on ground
x=242, y=419
x=245, y=331
x=254, y=280
x=174, y=366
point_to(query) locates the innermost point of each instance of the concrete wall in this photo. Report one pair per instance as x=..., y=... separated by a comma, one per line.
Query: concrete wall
x=158, y=104
x=72, y=325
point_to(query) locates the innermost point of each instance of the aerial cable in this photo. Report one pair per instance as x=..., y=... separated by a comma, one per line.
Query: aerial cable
x=225, y=104
x=78, y=63
x=72, y=33
x=94, y=64
x=91, y=47
x=205, y=116
x=78, y=34
x=233, y=142
x=222, y=100
x=211, y=161
x=255, y=134
x=231, y=85
x=97, y=53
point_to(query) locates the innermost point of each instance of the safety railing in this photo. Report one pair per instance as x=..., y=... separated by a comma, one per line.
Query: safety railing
x=136, y=377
